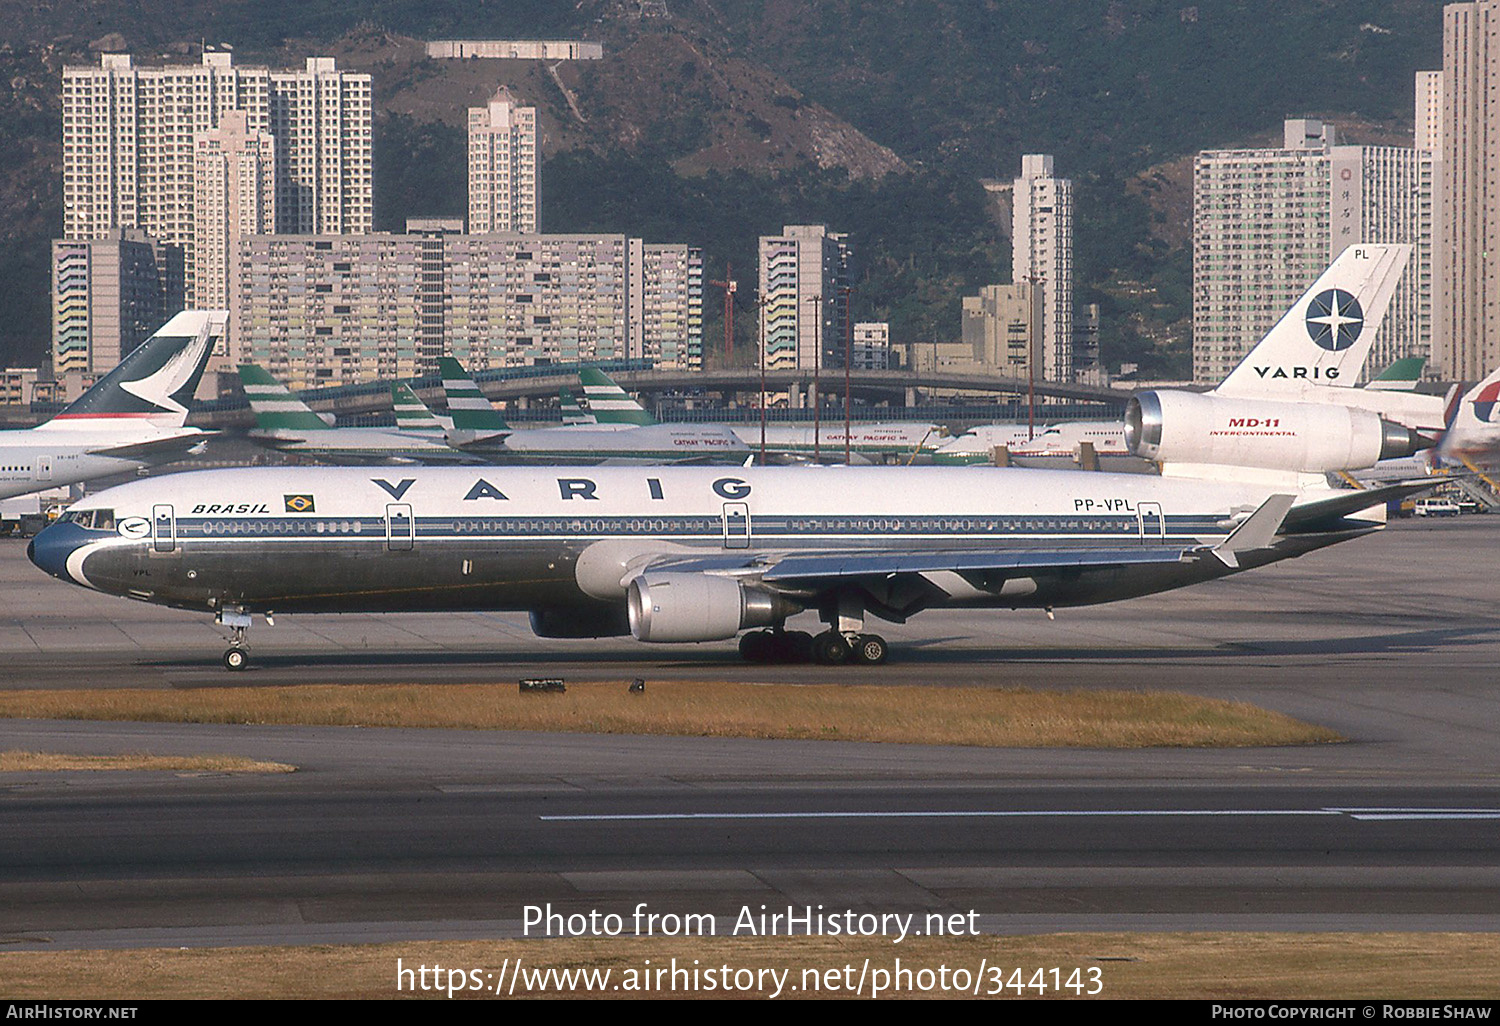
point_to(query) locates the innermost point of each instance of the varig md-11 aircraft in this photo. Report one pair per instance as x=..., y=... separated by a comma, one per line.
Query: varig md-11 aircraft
x=680, y=554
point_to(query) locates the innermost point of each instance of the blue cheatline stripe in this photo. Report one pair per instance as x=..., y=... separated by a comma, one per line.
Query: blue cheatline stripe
x=972, y=528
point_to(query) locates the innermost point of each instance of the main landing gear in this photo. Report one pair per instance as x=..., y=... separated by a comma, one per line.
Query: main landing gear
x=829, y=648
x=843, y=642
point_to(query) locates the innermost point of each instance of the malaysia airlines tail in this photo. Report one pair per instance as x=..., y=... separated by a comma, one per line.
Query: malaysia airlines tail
x=474, y=418
x=1473, y=438
x=155, y=382
x=276, y=409
x=609, y=403
x=1324, y=338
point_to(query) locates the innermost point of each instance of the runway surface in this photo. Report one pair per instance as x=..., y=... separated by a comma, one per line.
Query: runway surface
x=389, y=834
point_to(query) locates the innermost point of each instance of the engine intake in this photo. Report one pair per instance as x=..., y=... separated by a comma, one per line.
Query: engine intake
x=1310, y=438
x=672, y=607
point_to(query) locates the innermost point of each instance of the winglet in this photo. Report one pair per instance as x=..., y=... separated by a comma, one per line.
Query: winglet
x=1257, y=531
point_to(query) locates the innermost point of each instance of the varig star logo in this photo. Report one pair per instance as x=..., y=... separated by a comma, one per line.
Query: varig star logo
x=1334, y=320
x=299, y=503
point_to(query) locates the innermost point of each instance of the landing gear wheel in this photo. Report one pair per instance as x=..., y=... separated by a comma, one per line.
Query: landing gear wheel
x=870, y=649
x=792, y=646
x=830, y=648
x=236, y=659
x=755, y=647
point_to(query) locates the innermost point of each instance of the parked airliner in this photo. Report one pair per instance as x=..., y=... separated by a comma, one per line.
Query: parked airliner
x=133, y=417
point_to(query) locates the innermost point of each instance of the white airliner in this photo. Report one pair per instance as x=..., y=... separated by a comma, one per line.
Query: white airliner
x=680, y=554
x=478, y=429
x=978, y=444
x=1288, y=408
x=287, y=424
x=133, y=417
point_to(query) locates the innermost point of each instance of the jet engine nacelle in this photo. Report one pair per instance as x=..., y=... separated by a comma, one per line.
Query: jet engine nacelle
x=1308, y=438
x=699, y=607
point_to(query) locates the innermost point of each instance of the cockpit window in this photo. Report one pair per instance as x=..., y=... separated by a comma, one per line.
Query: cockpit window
x=98, y=519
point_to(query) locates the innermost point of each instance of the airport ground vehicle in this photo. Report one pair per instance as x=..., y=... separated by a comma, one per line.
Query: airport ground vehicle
x=1436, y=506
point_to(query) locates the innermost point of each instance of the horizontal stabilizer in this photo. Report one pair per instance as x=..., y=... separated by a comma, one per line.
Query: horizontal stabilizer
x=153, y=448
x=1257, y=532
x=1310, y=514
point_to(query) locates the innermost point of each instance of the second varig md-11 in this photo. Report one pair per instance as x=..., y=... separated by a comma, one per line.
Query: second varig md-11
x=680, y=554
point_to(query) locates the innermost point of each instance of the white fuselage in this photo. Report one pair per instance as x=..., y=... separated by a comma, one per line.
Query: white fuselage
x=54, y=455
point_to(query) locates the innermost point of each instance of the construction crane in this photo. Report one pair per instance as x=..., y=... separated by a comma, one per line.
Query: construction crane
x=730, y=286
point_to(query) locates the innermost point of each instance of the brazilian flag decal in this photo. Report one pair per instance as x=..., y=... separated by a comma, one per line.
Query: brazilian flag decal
x=299, y=503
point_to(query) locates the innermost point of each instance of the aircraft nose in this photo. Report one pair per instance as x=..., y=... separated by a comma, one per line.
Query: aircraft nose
x=50, y=549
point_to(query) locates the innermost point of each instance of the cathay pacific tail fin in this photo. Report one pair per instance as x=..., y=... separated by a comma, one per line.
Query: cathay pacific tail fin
x=156, y=380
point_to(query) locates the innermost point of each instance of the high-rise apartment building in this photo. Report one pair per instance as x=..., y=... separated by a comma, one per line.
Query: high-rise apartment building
x=234, y=194
x=324, y=310
x=802, y=312
x=1468, y=317
x=108, y=296
x=1042, y=255
x=502, y=166
x=1268, y=221
x=195, y=156
x=130, y=138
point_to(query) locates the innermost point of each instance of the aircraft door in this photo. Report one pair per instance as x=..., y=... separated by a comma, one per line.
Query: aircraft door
x=43, y=469
x=163, y=529
x=400, y=527
x=736, y=525
x=1152, y=523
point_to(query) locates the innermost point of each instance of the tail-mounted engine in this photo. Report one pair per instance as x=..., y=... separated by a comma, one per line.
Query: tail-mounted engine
x=1309, y=438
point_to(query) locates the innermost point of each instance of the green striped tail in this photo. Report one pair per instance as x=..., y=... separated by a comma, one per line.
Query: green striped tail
x=275, y=407
x=412, y=413
x=608, y=402
x=468, y=407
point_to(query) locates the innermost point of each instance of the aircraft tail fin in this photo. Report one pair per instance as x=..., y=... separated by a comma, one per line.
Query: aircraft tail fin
x=1475, y=429
x=1324, y=338
x=412, y=413
x=572, y=412
x=276, y=409
x=1402, y=375
x=609, y=403
x=471, y=411
x=156, y=380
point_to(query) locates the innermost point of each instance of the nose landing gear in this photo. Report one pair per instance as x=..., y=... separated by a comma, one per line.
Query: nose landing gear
x=236, y=656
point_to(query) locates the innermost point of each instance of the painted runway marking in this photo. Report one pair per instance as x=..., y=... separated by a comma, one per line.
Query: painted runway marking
x=1351, y=813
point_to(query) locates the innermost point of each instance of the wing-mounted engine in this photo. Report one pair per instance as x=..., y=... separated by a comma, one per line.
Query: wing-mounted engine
x=1308, y=438
x=700, y=607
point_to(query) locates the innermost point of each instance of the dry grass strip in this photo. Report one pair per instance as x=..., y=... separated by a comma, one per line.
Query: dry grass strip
x=27, y=762
x=982, y=716
x=1362, y=966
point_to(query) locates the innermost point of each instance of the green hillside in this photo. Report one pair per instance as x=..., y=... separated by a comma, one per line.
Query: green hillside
x=723, y=120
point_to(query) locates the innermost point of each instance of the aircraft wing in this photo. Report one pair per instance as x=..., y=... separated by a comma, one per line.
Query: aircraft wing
x=155, y=448
x=818, y=571
x=809, y=569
